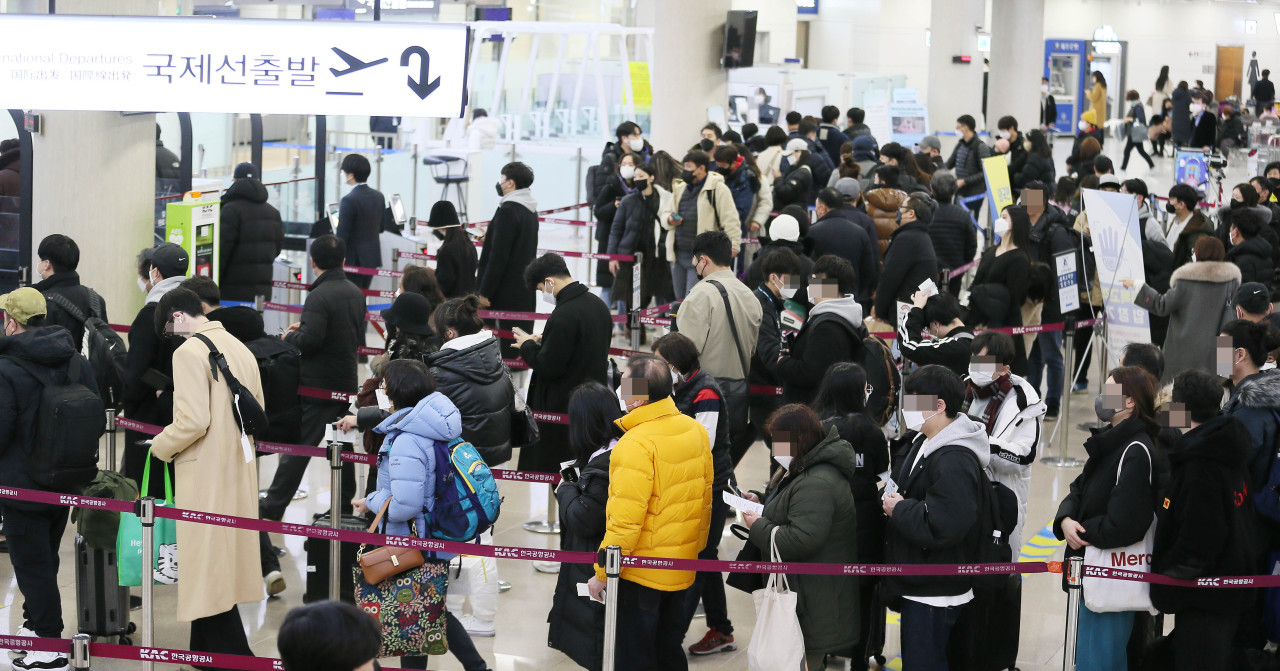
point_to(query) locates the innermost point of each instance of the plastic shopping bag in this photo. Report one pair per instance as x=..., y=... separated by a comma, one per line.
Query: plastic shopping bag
x=776, y=642
x=164, y=541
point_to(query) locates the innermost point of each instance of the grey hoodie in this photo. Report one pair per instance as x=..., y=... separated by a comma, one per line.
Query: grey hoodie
x=523, y=197
x=163, y=287
x=846, y=308
x=964, y=432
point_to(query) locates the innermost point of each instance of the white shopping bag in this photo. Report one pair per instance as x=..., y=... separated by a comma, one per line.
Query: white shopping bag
x=776, y=642
x=1103, y=595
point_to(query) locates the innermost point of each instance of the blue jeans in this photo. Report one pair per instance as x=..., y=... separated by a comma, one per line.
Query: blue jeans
x=1047, y=351
x=1101, y=640
x=683, y=275
x=925, y=632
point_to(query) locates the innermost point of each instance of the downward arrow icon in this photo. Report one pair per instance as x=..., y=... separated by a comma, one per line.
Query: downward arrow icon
x=420, y=85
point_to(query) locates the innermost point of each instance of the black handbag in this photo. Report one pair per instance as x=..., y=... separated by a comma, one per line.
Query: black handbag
x=735, y=390
x=747, y=582
x=248, y=413
x=524, y=428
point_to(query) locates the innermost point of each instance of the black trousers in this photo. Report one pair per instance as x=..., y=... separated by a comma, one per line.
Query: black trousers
x=1203, y=641
x=222, y=633
x=709, y=587
x=460, y=646
x=1129, y=146
x=315, y=416
x=651, y=629
x=34, y=537
x=362, y=281
x=759, y=408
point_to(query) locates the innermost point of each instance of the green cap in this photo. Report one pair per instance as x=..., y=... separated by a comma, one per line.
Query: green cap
x=23, y=304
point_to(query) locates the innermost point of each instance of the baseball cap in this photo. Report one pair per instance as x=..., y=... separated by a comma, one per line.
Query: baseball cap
x=849, y=188
x=170, y=259
x=931, y=142
x=23, y=304
x=1108, y=178
x=1253, y=297
x=245, y=170
x=784, y=227
x=794, y=145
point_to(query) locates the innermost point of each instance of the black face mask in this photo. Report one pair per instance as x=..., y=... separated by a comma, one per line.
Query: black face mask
x=1170, y=208
x=1237, y=204
x=724, y=171
x=498, y=187
x=687, y=176
x=640, y=184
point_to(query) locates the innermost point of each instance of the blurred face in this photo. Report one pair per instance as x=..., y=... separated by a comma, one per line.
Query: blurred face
x=1227, y=358
x=1175, y=416
x=634, y=393
x=1113, y=398
x=1033, y=199
x=907, y=214
x=823, y=289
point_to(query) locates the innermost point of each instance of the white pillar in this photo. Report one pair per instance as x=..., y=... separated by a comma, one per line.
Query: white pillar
x=686, y=76
x=1017, y=62
x=954, y=88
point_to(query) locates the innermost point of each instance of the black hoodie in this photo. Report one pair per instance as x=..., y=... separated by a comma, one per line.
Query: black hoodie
x=1204, y=520
x=252, y=237
x=49, y=347
x=478, y=383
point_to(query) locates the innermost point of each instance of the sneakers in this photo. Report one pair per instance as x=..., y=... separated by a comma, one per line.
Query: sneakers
x=713, y=642
x=476, y=626
x=1052, y=411
x=546, y=566
x=503, y=586
x=275, y=583
x=41, y=660
x=1080, y=388
x=22, y=631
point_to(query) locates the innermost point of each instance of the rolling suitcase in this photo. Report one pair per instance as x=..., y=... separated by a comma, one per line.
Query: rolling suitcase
x=985, y=637
x=318, y=562
x=102, y=605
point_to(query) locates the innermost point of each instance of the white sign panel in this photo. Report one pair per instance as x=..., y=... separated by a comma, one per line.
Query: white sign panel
x=1117, y=250
x=1068, y=289
x=133, y=64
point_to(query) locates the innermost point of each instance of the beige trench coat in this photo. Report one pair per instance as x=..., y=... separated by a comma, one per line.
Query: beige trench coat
x=218, y=567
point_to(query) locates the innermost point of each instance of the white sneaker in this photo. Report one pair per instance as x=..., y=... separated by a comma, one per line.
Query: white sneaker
x=41, y=660
x=275, y=583
x=546, y=566
x=476, y=626
x=22, y=631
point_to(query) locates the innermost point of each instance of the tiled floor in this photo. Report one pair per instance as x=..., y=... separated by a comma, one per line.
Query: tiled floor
x=520, y=643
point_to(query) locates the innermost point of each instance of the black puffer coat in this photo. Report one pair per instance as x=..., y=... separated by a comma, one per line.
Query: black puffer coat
x=955, y=238
x=1036, y=168
x=67, y=284
x=332, y=328
x=1254, y=258
x=478, y=383
x=576, y=625
x=252, y=237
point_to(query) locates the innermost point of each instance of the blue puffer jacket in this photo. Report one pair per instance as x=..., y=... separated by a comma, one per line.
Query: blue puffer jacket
x=406, y=463
x=743, y=184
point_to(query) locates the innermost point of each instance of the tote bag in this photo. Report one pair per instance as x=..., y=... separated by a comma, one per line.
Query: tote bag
x=776, y=642
x=1115, y=596
x=164, y=540
x=409, y=608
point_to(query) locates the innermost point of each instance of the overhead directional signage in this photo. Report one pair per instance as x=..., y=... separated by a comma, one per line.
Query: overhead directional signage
x=146, y=64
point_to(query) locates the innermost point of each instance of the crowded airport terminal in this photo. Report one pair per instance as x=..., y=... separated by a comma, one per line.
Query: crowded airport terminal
x=640, y=335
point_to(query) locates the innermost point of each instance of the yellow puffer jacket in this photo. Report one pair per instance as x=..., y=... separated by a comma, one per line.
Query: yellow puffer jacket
x=660, y=480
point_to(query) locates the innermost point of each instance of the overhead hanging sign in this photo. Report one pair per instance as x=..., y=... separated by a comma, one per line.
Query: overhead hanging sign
x=137, y=64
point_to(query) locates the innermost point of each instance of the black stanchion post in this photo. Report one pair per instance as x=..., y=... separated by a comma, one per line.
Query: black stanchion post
x=1075, y=581
x=111, y=438
x=80, y=652
x=612, y=573
x=147, y=514
x=944, y=280
x=335, y=516
x=1064, y=420
x=637, y=329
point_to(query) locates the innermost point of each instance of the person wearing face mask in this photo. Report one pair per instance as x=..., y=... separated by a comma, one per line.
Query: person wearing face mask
x=456, y=257
x=1187, y=225
x=743, y=178
x=908, y=261
x=702, y=202
x=698, y=395
x=781, y=273
x=939, y=315
x=1037, y=162
x=933, y=515
x=148, y=396
x=1012, y=412
x=829, y=134
x=661, y=476
x=628, y=138
x=1204, y=124
x=1250, y=250
x=966, y=160
x=1253, y=303
x=572, y=348
x=788, y=230
x=1007, y=130
x=1113, y=501
x=1255, y=399
x=835, y=233
x=360, y=218
x=1000, y=284
x=638, y=230
x=796, y=182
x=1244, y=198
x=617, y=187
x=1048, y=107
x=810, y=516
x=510, y=244
x=831, y=334
x=59, y=256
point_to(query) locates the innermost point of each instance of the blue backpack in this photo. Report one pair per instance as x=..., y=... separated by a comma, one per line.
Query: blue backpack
x=466, y=500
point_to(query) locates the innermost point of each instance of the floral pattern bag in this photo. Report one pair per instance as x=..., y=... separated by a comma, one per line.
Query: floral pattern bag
x=410, y=609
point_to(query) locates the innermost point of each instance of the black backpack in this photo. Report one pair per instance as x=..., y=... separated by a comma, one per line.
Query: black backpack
x=249, y=415
x=70, y=420
x=876, y=358
x=997, y=517
x=279, y=368
x=102, y=347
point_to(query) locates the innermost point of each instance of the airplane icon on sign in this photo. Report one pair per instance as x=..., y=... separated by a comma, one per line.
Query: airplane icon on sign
x=354, y=64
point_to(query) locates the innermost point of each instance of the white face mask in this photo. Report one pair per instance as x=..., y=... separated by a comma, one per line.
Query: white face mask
x=546, y=296
x=1044, y=88
x=759, y=100
x=383, y=402
x=676, y=378
x=1083, y=125
x=915, y=419
x=142, y=285
x=981, y=378
x=1197, y=108
x=1004, y=134
x=784, y=291
x=1267, y=366
x=637, y=143
x=784, y=462
x=1001, y=227
x=627, y=171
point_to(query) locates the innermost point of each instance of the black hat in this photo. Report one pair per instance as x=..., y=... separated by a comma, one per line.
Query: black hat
x=1253, y=297
x=244, y=170
x=170, y=259
x=443, y=214
x=411, y=313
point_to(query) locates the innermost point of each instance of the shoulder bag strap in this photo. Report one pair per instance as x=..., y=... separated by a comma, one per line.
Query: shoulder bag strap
x=95, y=304
x=217, y=362
x=1120, y=464
x=373, y=528
x=733, y=328
x=711, y=200
x=67, y=306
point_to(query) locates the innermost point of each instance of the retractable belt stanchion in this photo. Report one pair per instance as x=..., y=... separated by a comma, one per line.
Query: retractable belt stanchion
x=111, y=439
x=552, y=523
x=147, y=513
x=1075, y=580
x=335, y=517
x=1068, y=381
x=637, y=329
x=80, y=652
x=612, y=572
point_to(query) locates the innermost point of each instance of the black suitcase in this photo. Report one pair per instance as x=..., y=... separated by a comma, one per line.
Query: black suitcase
x=318, y=561
x=102, y=605
x=985, y=637
x=874, y=614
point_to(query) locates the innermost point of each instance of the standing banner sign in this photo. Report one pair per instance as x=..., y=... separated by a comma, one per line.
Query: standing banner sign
x=999, y=191
x=1117, y=250
x=154, y=64
x=1068, y=285
x=193, y=225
